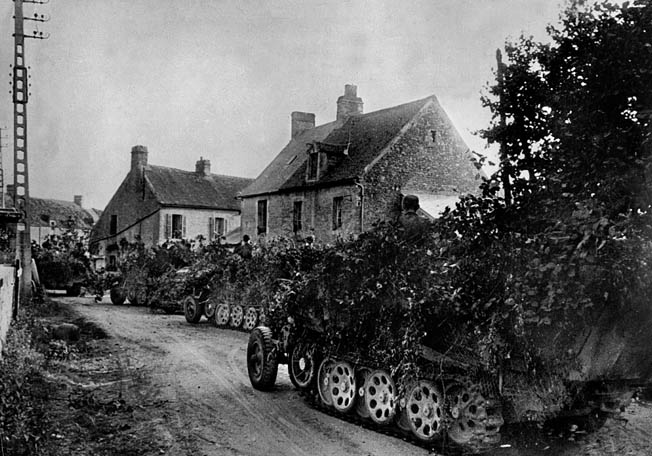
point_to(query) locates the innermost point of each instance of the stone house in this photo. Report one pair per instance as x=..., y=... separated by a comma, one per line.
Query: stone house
x=155, y=204
x=339, y=178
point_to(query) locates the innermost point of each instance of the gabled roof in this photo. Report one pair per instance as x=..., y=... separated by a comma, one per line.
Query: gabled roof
x=175, y=187
x=364, y=137
x=291, y=159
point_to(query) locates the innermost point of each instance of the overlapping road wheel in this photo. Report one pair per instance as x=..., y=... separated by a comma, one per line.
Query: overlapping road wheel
x=262, y=364
x=250, y=319
x=237, y=315
x=302, y=365
x=342, y=386
x=425, y=411
x=137, y=296
x=380, y=397
x=470, y=424
x=323, y=380
x=209, y=308
x=222, y=313
x=361, y=376
x=192, y=309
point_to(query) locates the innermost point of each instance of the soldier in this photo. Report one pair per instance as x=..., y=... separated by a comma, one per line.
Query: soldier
x=413, y=225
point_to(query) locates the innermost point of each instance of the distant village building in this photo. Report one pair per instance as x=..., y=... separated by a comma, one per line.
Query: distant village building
x=339, y=178
x=48, y=217
x=155, y=204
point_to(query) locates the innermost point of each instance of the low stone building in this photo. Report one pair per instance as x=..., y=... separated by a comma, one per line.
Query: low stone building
x=339, y=178
x=155, y=204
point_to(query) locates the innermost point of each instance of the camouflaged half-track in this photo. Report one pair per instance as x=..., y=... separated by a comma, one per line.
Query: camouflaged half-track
x=456, y=402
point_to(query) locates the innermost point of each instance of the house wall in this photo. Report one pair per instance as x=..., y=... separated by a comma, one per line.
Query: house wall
x=197, y=221
x=415, y=162
x=6, y=302
x=317, y=213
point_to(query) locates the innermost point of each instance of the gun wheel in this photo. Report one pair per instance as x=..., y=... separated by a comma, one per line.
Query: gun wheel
x=192, y=310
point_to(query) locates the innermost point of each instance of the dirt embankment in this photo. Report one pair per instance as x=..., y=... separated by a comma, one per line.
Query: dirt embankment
x=146, y=384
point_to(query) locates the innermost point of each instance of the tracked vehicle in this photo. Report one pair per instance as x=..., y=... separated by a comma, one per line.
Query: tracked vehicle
x=352, y=336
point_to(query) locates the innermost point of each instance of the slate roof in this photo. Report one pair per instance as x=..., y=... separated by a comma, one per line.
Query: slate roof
x=364, y=136
x=290, y=160
x=175, y=187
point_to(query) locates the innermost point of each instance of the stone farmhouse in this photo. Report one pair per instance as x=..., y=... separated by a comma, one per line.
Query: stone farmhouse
x=155, y=204
x=339, y=178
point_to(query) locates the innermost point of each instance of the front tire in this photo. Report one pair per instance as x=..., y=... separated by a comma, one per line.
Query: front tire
x=261, y=359
x=118, y=296
x=192, y=309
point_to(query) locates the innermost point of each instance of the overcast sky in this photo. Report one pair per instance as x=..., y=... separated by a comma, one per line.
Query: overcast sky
x=219, y=79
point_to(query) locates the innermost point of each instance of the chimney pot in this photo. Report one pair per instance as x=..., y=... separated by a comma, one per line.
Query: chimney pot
x=138, y=157
x=302, y=121
x=78, y=200
x=349, y=104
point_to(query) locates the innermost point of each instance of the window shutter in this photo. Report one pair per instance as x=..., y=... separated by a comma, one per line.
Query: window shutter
x=211, y=228
x=226, y=226
x=168, y=226
x=183, y=229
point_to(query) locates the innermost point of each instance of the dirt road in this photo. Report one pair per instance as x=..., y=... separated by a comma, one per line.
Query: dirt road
x=192, y=389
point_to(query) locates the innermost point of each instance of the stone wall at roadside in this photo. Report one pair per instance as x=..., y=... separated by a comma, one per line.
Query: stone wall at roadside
x=6, y=301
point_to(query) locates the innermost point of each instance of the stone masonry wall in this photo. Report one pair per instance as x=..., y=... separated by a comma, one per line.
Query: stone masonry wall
x=430, y=157
x=317, y=214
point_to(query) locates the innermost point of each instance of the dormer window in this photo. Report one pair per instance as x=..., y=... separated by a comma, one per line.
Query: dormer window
x=313, y=164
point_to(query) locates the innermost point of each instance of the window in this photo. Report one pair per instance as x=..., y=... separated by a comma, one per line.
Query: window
x=175, y=226
x=217, y=227
x=337, y=212
x=297, y=215
x=313, y=165
x=262, y=217
x=113, y=225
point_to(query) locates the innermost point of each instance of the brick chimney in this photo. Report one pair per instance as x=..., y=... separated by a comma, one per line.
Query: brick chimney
x=302, y=121
x=349, y=103
x=138, y=157
x=203, y=167
x=78, y=200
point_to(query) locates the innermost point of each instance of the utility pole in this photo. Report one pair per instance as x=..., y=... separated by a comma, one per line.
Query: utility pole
x=507, y=168
x=21, y=174
x=2, y=168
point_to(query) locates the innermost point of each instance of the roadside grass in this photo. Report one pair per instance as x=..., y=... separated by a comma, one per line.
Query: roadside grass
x=59, y=397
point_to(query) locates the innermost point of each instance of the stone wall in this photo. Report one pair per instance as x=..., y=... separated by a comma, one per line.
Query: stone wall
x=317, y=214
x=6, y=301
x=429, y=157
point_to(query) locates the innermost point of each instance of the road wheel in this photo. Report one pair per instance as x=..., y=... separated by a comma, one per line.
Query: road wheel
x=250, y=319
x=192, y=309
x=261, y=359
x=342, y=386
x=209, y=308
x=302, y=366
x=237, y=315
x=380, y=397
x=137, y=296
x=425, y=411
x=118, y=295
x=222, y=313
x=323, y=381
